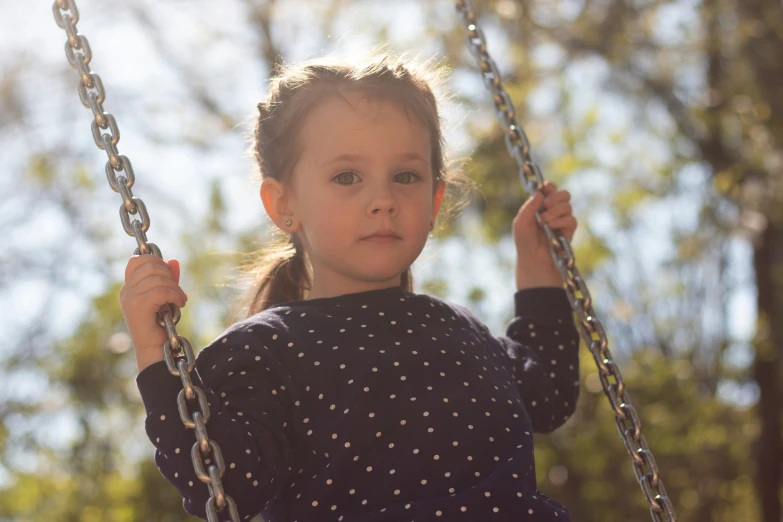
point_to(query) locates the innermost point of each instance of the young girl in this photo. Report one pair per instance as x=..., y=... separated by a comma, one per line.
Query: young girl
x=343, y=395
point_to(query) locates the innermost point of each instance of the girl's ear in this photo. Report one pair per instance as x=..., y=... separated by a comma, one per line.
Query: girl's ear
x=273, y=196
x=437, y=198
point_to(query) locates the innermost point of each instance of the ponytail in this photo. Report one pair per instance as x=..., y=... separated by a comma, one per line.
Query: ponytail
x=277, y=273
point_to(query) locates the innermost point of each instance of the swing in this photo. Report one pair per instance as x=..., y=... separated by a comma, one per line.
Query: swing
x=92, y=96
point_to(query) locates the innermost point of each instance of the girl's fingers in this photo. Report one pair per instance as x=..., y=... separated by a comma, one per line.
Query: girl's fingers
x=558, y=197
x=567, y=225
x=138, y=262
x=175, y=268
x=558, y=211
x=149, y=270
x=162, y=295
x=150, y=284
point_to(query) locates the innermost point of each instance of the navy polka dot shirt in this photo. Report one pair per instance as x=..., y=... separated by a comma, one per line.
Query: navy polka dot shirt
x=383, y=405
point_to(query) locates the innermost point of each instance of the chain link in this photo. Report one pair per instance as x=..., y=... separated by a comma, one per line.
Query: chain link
x=121, y=177
x=628, y=423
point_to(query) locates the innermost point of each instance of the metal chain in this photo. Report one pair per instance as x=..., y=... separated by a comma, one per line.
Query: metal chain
x=92, y=96
x=592, y=330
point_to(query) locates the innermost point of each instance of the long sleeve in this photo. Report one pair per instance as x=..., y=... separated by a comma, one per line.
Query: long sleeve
x=543, y=344
x=248, y=421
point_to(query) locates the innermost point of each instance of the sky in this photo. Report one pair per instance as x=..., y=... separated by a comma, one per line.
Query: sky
x=142, y=94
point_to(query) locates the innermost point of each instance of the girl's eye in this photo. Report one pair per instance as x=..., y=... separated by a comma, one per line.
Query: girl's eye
x=344, y=174
x=418, y=178
x=347, y=172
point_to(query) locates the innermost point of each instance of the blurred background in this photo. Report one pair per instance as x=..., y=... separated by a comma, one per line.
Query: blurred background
x=661, y=117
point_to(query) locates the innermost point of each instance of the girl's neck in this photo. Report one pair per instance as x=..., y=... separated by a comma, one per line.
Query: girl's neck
x=349, y=298
x=336, y=288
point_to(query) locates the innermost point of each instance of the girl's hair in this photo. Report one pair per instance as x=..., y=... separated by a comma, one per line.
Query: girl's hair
x=281, y=272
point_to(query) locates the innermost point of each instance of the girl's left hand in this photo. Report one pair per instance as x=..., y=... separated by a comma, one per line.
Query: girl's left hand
x=533, y=250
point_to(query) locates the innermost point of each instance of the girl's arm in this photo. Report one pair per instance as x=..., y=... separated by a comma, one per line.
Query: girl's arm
x=248, y=421
x=543, y=344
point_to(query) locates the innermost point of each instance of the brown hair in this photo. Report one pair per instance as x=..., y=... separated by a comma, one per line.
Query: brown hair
x=281, y=272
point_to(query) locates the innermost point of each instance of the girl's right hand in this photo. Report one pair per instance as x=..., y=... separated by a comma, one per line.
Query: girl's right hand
x=150, y=283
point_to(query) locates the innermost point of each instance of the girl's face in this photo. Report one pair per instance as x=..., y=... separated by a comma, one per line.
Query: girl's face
x=336, y=203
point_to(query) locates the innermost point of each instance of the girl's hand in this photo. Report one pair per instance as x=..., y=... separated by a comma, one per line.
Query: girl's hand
x=150, y=283
x=534, y=258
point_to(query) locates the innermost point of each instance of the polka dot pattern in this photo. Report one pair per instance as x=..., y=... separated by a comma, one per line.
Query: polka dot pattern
x=380, y=405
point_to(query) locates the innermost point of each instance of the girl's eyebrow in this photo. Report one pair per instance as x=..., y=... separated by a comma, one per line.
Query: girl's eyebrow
x=355, y=157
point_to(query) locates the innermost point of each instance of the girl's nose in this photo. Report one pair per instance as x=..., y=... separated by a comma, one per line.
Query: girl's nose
x=380, y=209
x=383, y=201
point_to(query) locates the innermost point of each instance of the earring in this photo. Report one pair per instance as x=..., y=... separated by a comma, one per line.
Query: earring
x=288, y=223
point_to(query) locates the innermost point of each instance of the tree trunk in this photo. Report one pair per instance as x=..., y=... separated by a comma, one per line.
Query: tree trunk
x=768, y=263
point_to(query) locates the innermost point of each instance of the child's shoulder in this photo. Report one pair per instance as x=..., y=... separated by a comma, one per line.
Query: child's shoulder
x=455, y=312
x=261, y=326
x=448, y=306
x=249, y=339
